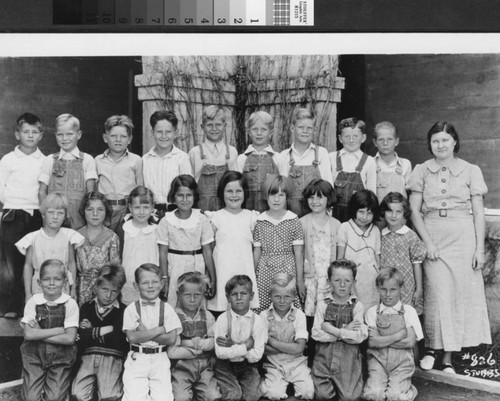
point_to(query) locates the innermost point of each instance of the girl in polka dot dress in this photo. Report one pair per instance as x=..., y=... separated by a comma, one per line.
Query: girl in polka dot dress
x=278, y=241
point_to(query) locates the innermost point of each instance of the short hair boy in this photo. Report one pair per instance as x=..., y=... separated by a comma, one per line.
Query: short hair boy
x=393, y=172
x=69, y=172
x=287, y=337
x=119, y=171
x=259, y=160
x=338, y=329
x=164, y=161
x=352, y=169
x=102, y=343
x=150, y=326
x=393, y=329
x=192, y=375
x=19, y=172
x=240, y=337
x=303, y=161
x=212, y=158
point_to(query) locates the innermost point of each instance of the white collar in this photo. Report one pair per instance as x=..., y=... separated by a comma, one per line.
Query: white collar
x=311, y=146
x=211, y=145
x=19, y=153
x=247, y=315
x=179, y=310
x=75, y=153
x=175, y=150
x=395, y=308
x=395, y=161
x=267, y=149
x=106, y=154
x=133, y=231
x=39, y=299
x=287, y=216
x=191, y=222
x=352, y=298
x=271, y=310
x=358, y=154
x=358, y=230
x=403, y=230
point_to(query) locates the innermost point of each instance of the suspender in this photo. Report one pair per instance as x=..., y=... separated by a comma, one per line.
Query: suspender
x=359, y=167
x=162, y=312
x=229, y=323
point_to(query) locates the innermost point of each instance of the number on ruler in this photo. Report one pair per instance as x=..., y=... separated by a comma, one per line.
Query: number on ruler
x=238, y=20
x=123, y=20
x=188, y=20
x=106, y=18
x=205, y=21
x=139, y=20
x=221, y=20
x=155, y=20
x=253, y=21
x=172, y=20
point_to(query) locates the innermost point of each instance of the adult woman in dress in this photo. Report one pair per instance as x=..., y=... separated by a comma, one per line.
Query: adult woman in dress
x=443, y=190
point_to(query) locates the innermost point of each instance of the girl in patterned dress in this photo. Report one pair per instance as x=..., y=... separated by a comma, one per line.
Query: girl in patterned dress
x=101, y=245
x=401, y=248
x=359, y=241
x=278, y=241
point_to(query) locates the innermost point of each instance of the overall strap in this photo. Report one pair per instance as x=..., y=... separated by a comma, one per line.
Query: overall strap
x=401, y=311
x=203, y=314
x=227, y=154
x=339, y=162
x=361, y=163
x=162, y=314
x=315, y=162
x=291, y=315
x=228, y=315
x=80, y=155
x=138, y=308
x=182, y=317
x=202, y=153
x=292, y=161
x=252, y=322
x=56, y=155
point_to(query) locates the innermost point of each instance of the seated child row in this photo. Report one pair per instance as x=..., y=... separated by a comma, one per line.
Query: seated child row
x=275, y=241
x=27, y=176
x=169, y=354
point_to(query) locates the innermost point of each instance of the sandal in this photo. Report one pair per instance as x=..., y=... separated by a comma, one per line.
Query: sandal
x=448, y=368
x=427, y=362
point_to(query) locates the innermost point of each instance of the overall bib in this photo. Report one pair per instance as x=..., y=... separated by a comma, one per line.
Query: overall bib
x=257, y=167
x=390, y=369
x=388, y=181
x=337, y=365
x=346, y=185
x=209, y=182
x=300, y=176
x=68, y=179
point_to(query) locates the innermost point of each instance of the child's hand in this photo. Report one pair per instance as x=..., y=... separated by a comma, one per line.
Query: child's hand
x=188, y=343
x=85, y=324
x=224, y=342
x=354, y=325
x=211, y=288
x=432, y=251
x=301, y=289
x=372, y=331
x=141, y=326
x=417, y=298
x=249, y=343
x=34, y=324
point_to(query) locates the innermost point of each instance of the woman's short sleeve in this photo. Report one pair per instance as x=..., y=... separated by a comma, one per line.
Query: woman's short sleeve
x=416, y=181
x=207, y=233
x=477, y=184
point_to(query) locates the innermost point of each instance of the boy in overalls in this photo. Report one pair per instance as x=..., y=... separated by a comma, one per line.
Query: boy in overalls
x=69, y=172
x=211, y=159
x=393, y=329
x=338, y=329
x=240, y=338
x=287, y=336
x=352, y=169
x=393, y=172
x=192, y=373
x=303, y=161
x=259, y=160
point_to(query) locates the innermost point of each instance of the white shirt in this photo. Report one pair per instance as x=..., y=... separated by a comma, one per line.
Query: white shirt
x=19, y=184
x=410, y=315
x=89, y=169
x=240, y=332
x=350, y=161
x=160, y=171
x=72, y=312
x=150, y=318
x=212, y=156
x=240, y=162
x=306, y=159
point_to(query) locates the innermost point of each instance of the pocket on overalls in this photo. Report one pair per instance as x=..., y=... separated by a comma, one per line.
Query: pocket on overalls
x=295, y=173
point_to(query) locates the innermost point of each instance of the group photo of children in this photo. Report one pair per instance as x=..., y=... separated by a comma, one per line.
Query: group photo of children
x=217, y=274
